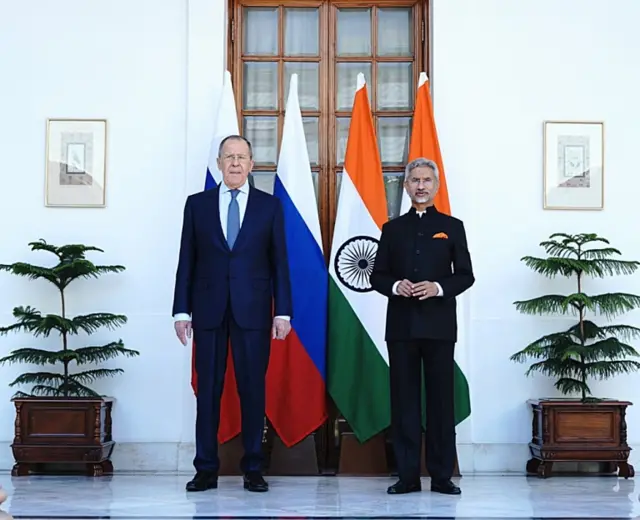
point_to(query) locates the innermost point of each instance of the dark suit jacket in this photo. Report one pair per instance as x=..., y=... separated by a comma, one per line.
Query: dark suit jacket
x=408, y=249
x=253, y=278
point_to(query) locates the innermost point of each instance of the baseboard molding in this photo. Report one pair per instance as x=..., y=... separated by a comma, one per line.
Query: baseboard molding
x=178, y=457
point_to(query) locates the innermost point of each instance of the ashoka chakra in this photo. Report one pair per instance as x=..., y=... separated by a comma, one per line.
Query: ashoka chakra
x=354, y=262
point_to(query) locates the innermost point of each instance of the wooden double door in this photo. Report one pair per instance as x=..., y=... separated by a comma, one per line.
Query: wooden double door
x=327, y=43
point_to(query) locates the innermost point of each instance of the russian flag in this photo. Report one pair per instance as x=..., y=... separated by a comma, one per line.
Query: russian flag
x=295, y=394
x=226, y=124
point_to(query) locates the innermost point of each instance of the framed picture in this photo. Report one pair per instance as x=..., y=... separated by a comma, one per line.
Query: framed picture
x=573, y=165
x=76, y=166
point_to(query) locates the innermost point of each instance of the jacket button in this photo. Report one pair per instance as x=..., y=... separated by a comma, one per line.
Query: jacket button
x=417, y=252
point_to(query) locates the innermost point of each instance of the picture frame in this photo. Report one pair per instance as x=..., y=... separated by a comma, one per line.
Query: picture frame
x=76, y=163
x=573, y=165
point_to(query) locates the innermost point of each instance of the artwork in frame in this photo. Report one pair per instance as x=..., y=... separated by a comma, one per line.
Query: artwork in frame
x=573, y=165
x=76, y=166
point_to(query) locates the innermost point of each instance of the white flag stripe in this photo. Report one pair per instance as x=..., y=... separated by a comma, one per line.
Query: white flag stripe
x=226, y=124
x=294, y=167
x=352, y=220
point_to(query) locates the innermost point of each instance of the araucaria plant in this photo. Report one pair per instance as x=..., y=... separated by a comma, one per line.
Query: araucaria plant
x=585, y=350
x=72, y=265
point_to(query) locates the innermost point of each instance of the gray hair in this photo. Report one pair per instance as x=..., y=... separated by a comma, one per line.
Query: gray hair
x=235, y=138
x=421, y=162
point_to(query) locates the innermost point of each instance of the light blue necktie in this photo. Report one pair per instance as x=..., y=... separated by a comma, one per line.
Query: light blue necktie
x=233, y=219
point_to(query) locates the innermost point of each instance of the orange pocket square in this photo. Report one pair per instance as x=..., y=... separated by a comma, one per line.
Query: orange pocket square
x=440, y=235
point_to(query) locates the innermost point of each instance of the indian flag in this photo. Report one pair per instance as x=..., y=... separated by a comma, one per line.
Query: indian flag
x=358, y=363
x=425, y=143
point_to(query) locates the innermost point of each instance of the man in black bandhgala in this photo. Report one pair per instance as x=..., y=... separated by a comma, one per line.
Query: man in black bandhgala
x=422, y=264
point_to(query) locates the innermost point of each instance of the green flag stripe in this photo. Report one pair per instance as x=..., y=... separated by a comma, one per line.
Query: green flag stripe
x=462, y=401
x=358, y=377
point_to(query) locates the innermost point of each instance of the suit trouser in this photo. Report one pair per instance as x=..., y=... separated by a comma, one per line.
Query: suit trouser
x=405, y=362
x=250, y=350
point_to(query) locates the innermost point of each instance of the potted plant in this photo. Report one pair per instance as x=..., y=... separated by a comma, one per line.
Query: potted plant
x=62, y=419
x=581, y=428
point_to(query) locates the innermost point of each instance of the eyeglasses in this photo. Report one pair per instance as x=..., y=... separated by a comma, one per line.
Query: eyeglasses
x=235, y=157
x=416, y=180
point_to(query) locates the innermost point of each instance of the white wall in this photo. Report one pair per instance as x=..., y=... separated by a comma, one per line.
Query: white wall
x=499, y=69
x=153, y=70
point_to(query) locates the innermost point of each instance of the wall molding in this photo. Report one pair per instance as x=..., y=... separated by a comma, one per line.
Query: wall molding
x=177, y=457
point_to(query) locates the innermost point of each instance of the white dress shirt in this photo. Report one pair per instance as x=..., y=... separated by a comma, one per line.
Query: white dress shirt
x=394, y=289
x=224, y=201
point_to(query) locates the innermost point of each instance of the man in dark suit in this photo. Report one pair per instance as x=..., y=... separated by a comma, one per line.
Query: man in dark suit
x=232, y=276
x=413, y=268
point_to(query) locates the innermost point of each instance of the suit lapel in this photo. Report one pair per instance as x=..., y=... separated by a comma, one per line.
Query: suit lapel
x=215, y=217
x=248, y=221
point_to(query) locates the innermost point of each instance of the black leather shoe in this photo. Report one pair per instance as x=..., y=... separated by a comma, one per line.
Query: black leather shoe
x=401, y=488
x=202, y=481
x=446, y=487
x=254, y=482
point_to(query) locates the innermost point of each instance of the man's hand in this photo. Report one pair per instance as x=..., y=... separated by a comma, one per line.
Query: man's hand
x=280, y=329
x=424, y=290
x=405, y=288
x=183, y=330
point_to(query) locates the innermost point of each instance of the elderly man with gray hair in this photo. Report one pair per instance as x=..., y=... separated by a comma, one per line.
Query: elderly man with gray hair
x=422, y=264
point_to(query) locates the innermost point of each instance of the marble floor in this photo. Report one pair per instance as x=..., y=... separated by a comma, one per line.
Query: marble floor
x=162, y=497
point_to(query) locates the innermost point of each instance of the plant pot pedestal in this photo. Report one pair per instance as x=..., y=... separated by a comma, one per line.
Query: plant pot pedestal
x=569, y=430
x=65, y=431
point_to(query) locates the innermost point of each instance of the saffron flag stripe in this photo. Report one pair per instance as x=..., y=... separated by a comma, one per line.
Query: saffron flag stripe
x=425, y=143
x=361, y=163
x=355, y=219
x=358, y=370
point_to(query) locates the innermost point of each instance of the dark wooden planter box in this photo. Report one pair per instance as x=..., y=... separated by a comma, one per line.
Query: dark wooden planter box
x=568, y=430
x=63, y=432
